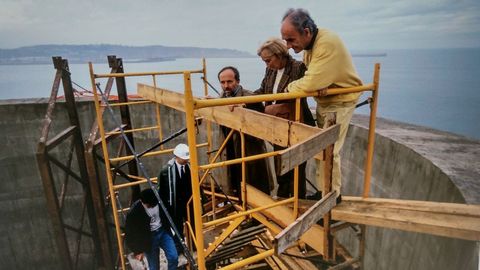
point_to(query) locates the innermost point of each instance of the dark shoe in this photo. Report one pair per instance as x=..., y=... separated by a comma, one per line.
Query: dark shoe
x=317, y=196
x=339, y=199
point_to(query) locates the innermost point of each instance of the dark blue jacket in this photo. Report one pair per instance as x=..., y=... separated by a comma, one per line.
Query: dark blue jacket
x=137, y=228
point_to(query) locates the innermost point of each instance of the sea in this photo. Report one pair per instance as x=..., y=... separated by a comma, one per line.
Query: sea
x=437, y=88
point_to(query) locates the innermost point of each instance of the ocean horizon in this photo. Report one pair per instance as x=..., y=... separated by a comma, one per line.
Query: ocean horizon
x=436, y=88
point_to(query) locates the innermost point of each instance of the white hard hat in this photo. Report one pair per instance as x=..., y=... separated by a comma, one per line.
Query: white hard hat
x=181, y=151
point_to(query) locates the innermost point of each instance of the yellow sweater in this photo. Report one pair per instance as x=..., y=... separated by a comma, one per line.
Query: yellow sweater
x=329, y=64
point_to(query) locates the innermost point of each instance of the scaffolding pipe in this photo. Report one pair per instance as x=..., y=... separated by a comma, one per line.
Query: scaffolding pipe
x=208, y=170
x=243, y=184
x=203, y=103
x=154, y=153
x=247, y=212
x=238, y=160
x=107, y=166
x=128, y=103
x=131, y=130
x=295, y=171
x=249, y=260
x=135, y=74
x=371, y=132
x=197, y=207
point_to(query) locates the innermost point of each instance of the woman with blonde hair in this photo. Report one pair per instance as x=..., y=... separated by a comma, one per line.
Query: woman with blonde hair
x=280, y=71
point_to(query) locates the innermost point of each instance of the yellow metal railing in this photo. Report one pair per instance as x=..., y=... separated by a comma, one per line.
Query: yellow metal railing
x=108, y=161
x=247, y=212
x=111, y=190
x=204, y=103
x=192, y=104
x=197, y=208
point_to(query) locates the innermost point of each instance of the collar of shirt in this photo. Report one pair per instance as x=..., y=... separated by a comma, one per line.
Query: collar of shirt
x=278, y=78
x=314, y=36
x=232, y=93
x=179, y=168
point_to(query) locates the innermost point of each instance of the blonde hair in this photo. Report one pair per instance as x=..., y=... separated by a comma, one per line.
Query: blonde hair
x=276, y=46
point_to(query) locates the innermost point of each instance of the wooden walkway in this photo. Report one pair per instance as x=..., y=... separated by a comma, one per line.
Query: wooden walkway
x=444, y=219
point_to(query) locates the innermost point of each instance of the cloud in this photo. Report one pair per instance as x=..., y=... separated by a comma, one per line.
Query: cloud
x=363, y=24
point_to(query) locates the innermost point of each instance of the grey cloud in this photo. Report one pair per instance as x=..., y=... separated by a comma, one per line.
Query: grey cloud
x=236, y=24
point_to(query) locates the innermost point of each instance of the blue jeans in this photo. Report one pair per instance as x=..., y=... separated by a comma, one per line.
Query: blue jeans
x=162, y=239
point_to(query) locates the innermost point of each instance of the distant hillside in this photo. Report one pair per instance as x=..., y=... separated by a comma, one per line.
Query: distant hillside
x=42, y=54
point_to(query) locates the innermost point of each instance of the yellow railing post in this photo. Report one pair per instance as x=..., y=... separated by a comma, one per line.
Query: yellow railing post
x=371, y=132
x=209, y=135
x=243, y=185
x=295, y=171
x=107, y=168
x=197, y=211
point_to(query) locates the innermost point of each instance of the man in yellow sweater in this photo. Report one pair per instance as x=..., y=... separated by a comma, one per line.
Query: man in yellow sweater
x=329, y=65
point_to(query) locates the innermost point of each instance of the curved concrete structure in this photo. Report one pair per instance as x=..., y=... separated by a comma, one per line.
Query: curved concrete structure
x=414, y=163
x=410, y=162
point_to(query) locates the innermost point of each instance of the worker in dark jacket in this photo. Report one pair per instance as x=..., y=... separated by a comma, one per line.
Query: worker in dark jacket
x=147, y=230
x=175, y=187
x=257, y=172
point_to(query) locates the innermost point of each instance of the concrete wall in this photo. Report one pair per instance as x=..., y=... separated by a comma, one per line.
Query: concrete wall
x=404, y=168
x=26, y=236
x=27, y=240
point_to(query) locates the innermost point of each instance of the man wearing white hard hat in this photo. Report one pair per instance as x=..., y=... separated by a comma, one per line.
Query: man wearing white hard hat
x=174, y=185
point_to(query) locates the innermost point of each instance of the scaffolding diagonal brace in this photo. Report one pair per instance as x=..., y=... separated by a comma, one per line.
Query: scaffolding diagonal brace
x=295, y=230
x=303, y=151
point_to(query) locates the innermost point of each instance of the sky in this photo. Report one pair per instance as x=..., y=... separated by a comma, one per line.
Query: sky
x=242, y=25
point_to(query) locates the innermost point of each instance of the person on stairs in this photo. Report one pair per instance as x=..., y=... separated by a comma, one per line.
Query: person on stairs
x=147, y=230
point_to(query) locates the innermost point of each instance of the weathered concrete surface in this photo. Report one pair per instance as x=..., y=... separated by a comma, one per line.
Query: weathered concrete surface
x=26, y=235
x=416, y=163
x=456, y=156
x=406, y=166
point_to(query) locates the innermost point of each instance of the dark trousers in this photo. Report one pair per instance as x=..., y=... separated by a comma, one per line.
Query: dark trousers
x=161, y=238
x=286, y=181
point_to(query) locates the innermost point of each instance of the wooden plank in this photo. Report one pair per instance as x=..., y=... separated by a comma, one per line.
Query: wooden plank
x=345, y=264
x=233, y=225
x=304, y=150
x=295, y=230
x=298, y=261
x=444, y=219
x=443, y=224
x=274, y=262
x=425, y=206
x=273, y=129
x=283, y=216
x=163, y=96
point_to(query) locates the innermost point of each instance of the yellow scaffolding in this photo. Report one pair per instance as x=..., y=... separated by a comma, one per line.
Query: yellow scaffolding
x=191, y=105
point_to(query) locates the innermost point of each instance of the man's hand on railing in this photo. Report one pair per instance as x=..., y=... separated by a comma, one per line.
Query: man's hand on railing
x=232, y=107
x=322, y=92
